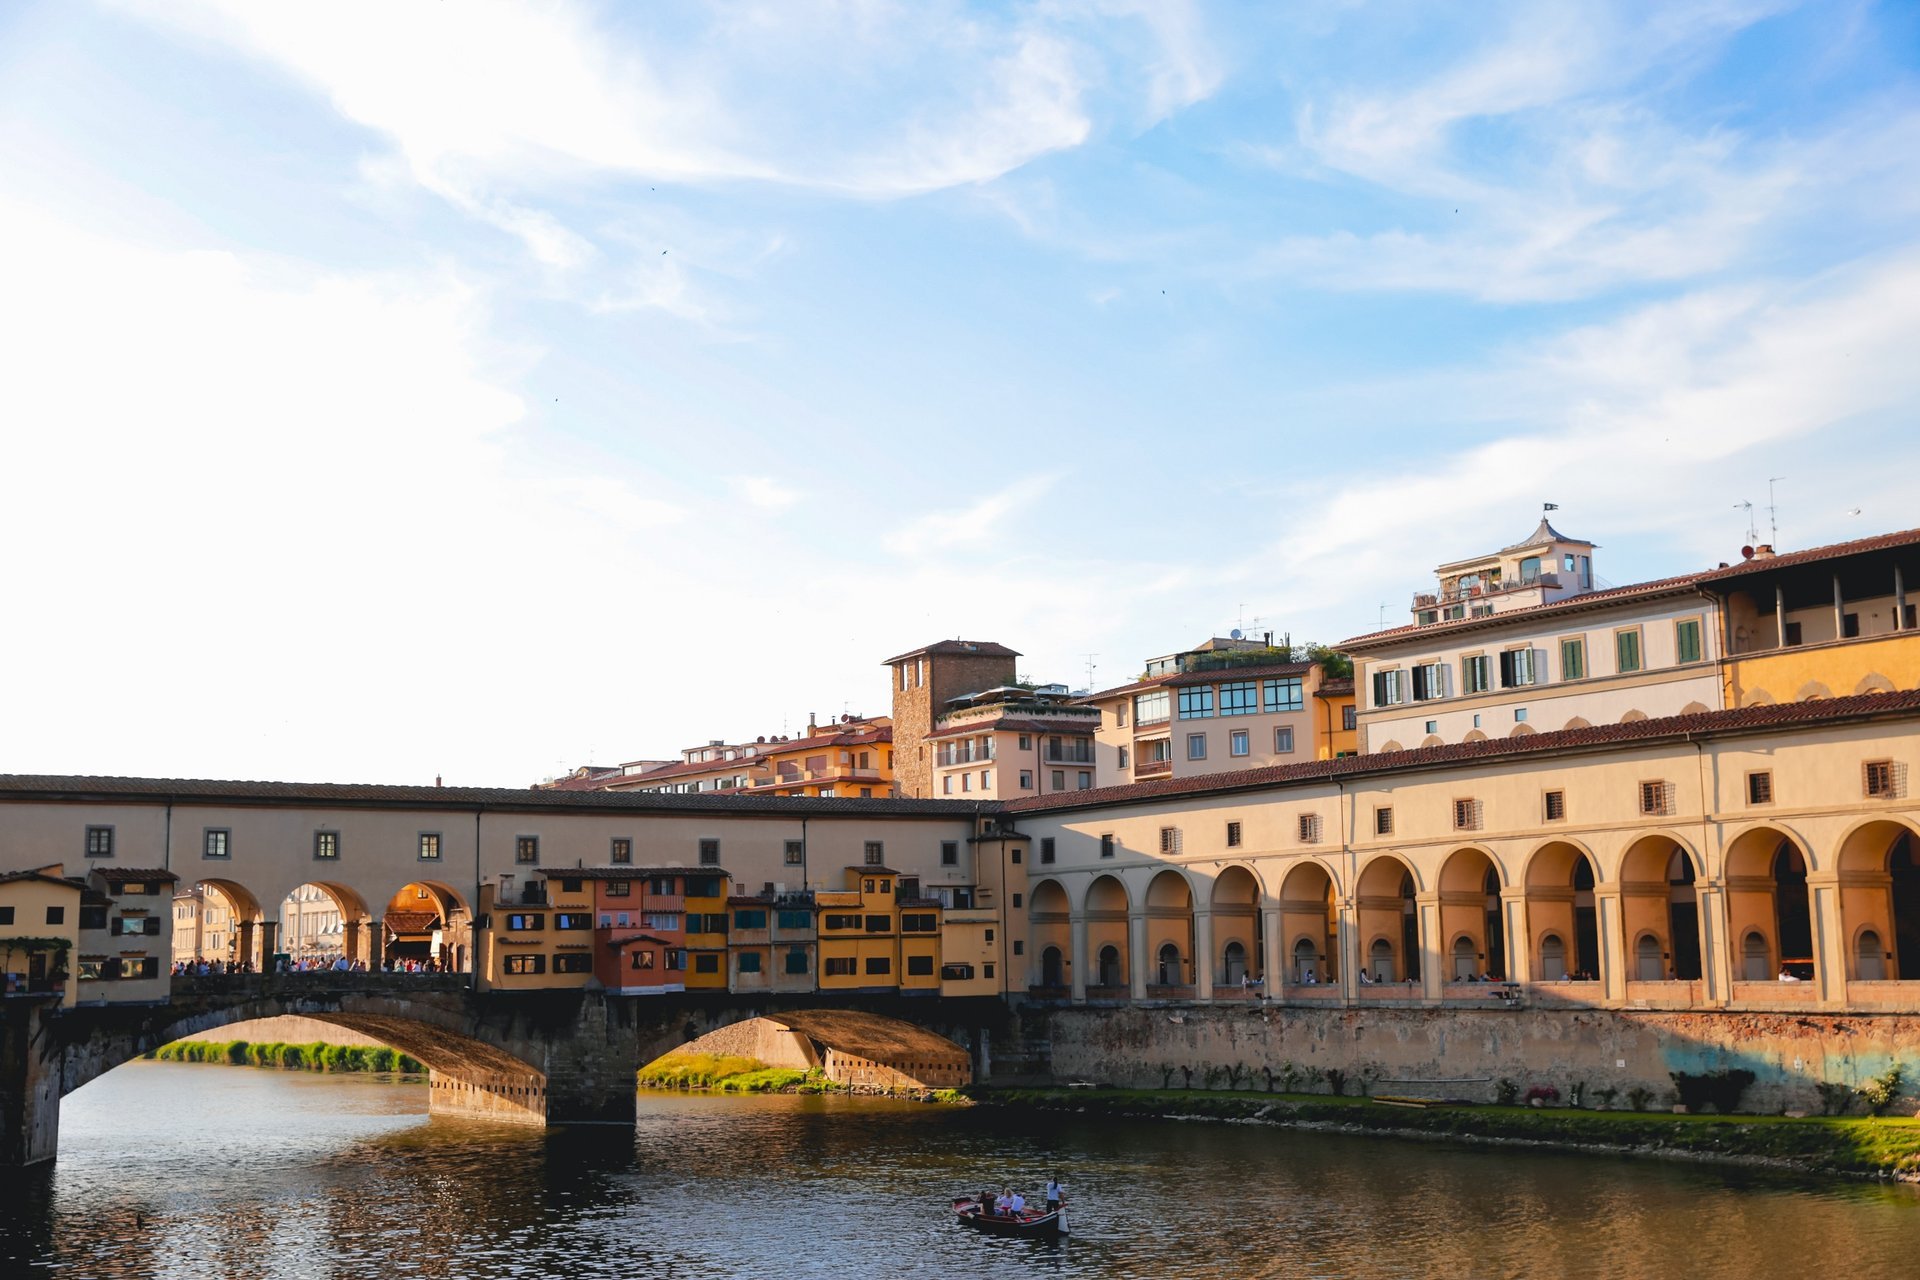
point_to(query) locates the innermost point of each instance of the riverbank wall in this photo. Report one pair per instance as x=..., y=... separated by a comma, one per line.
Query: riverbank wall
x=1799, y=1061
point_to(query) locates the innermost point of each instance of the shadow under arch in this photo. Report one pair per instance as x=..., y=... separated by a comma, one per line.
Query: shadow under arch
x=1562, y=915
x=1169, y=912
x=1470, y=913
x=1388, y=921
x=1769, y=907
x=1239, y=937
x=1050, y=934
x=1879, y=868
x=1660, y=910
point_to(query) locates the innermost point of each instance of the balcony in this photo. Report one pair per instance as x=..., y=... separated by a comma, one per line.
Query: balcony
x=833, y=773
x=1070, y=753
x=1153, y=769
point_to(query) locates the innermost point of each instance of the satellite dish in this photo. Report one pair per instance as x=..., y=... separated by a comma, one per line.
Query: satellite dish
x=1235, y=634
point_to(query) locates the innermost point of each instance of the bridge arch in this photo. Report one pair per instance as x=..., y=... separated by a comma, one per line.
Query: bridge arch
x=859, y=1049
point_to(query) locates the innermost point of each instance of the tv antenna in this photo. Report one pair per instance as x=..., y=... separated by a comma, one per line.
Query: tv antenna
x=1090, y=670
x=1773, y=509
x=1753, y=534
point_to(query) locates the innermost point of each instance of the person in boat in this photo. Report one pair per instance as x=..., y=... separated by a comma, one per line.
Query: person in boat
x=1053, y=1195
x=1016, y=1204
x=1003, y=1204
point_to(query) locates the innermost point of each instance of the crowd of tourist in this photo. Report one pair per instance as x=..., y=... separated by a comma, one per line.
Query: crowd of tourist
x=200, y=967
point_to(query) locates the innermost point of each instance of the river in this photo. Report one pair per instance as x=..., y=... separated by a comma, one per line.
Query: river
x=186, y=1170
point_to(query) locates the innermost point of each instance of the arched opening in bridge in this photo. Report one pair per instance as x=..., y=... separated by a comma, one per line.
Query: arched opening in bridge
x=1880, y=900
x=216, y=923
x=1387, y=913
x=1050, y=934
x=1768, y=906
x=862, y=1051
x=325, y=925
x=1562, y=916
x=1238, y=939
x=1106, y=914
x=1309, y=921
x=1053, y=968
x=1170, y=928
x=426, y=924
x=1657, y=899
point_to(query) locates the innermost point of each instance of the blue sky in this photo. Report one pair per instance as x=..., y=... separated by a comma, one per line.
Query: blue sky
x=390, y=390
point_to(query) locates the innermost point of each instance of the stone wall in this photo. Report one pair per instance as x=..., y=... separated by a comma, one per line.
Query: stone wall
x=1467, y=1053
x=285, y=1030
x=759, y=1039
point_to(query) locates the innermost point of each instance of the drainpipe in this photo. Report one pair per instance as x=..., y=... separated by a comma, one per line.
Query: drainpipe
x=803, y=853
x=166, y=848
x=473, y=923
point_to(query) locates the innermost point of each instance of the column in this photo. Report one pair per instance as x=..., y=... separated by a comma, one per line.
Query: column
x=1137, y=954
x=350, y=940
x=1273, y=961
x=1779, y=617
x=1203, y=954
x=269, y=943
x=1349, y=944
x=242, y=941
x=1513, y=914
x=1610, y=924
x=1433, y=959
x=1829, y=937
x=375, y=932
x=1899, y=599
x=1077, y=959
x=1839, y=610
x=1716, y=957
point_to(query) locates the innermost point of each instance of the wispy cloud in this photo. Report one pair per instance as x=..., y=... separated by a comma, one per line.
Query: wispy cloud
x=997, y=518
x=763, y=492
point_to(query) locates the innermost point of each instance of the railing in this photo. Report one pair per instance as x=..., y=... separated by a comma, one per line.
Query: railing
x=1082, y=754
x=1152, y=768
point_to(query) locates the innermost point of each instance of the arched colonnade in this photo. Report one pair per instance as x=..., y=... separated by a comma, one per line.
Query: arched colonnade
x=321, y=920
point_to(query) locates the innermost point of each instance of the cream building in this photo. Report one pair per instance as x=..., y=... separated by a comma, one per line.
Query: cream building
x=1013, y=740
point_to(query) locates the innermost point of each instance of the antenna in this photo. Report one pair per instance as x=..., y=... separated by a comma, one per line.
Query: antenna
x=1753, y=534
x=1773, y=509
x=1090, y=670
x=1383, y=613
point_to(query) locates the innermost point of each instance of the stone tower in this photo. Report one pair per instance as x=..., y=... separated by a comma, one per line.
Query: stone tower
x=924, y=681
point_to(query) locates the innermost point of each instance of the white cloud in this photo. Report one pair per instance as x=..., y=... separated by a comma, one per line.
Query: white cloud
x=998, y=518
x=763, y=492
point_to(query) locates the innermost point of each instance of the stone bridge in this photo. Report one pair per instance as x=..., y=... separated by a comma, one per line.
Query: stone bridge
x=536, y=1057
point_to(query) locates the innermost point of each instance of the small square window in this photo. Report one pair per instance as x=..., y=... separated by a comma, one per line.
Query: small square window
x=1310, y=828
x=326, y=845
x=526, y=850
x=949, y=853
x=56, y=915
x=1519, y=715
x=1238, y=743
x=1283, y=739
x=1760, y=787
x=1383, y=821
x=1555, y=806
x=621, y=849
x=1046, y=848
x=1433, y=726
x=796, y=853
x=429, y=849
x=1015, y=853
x=1106, y=846
x=709, y=852
x=1885, y=779
x=1656, y=798
x=1196, y=746
x=1026, y=779
x=216, y=842
x=1466, y=815
x=876, y=853
x=1169, y=839
x=1233, y=835
x=99, y=842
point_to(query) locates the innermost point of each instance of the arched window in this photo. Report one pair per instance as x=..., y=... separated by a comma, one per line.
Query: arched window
x=1870, y=964
x=1755, y=964
x=1169, y=965
x=1306, y=961
x=1110, y=967
x=1553, y=958
x=1052, y=968
x=1466, y=961
x=1234, y=966
x=1648, y=962
x=1380, y=960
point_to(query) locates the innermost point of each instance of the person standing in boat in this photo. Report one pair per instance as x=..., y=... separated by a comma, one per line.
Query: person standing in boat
x=1053, y=1195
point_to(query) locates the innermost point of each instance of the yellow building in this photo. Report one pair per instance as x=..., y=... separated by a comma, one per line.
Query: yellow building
x=538, y=937
x=40, y=933
x=706, y=924
x=860, y=932
x=1337, y=730
x=853, y=757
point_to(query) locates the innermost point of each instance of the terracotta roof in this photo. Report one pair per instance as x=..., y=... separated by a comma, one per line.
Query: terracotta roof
x=1700, y=724
x=1542, y=534
x=411, y=921
x=1018, y=724
x=23, y=786
x=134, y=875
x=1339, y=687
x=11, y=876
x=685, y=768
x=1812, y=555
x=586, y=782
x=965, y=648
x=1585, y=600
x=838, y=738
x=869, y=869
x=617, y=943
x=623, y=872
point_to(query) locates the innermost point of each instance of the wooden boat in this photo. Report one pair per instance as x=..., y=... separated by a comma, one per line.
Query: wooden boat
x=1028, y=1222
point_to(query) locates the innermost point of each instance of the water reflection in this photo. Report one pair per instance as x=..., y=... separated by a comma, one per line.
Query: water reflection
x=178, y=1170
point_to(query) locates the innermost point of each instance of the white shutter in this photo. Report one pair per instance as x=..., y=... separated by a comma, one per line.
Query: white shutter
x=1443, y=673
x=1539, y=666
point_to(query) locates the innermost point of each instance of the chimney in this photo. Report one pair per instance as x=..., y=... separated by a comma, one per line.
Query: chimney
x=1763, y=552
x=436, y=780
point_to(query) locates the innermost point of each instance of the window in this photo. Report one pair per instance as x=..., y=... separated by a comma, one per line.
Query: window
x=1151, y=708
x=1026, y=779
x=1686, y=640
x=1885, y=780
x=1059, y=779
x=749, y=962
x=1106, y=846
x=58, y=915
x=1237, y=744
x=619, y=889
x=326, y=845
x=573, y=964
x=796, y=960
x=793, y=919
x=1160, y=750
x=1573, y=659
x=526, y=849
x=1389, y=688
x=949, y=853
x=1283, y=738
x=1169, y=839
x=1626, y=650
x=919, y=966
x=675, y=959
x=946, y=785
x=6, y=915
x=986, y=971
x=1429, y=681
x=1554, y=804
x=1196, y=746
x=1125, y=758
x=1466, y=815
x=1026, y=742
x=1383, y=821
x=1793, y=633
x=1120, y=714
x=1046, y=848
x=876, y=853
x=1196, y=702
x=1019, y=947
x=1656, y=798
x=1476, y=674
x=526, y=922
x=642, y=959
x=750, y=918
x=523, y=964
x=1240, y=698
x=1233, y=835
x=99, y=842
x=709, y=852
x=1284, y=695
x=1349, y=719
x=216, y=842
x=1309, y=828
x=706, y=962
x=879, y=966
x=842, y=922
x=1519, y=668
x=572, y=920
x=428, y=846
x=1849, y=626
x=920, y=922
x=1519, y=715
x=1760, y=787
x=1085, y=781
x=1433, y=726
x=879, y=924
x=839, y=966
x=621, y=850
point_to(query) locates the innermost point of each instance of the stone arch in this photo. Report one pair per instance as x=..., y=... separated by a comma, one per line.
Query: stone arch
x=1521, y=730
x=226, y=926
x=1431, y=740
x=1558, y=886
x=305, y=923
x=1474, y=735
x=1050, y=933
x=1169, y=911
x=1649, y=957
x=1105, y=908
x=1470, y=885
x=1879, y=872
x=1811, y=691
x=402, y=936
x=1633, y=716
x=1384, y=908
x=1757, y=698
x=1234, y=903
x=1391, y=745
x=1868, y=955
x=1309, y=922
x=852, y=1047
x=1579, y=722
x=1694, y=709
x=1874, y=682
x=1767, y=898
x=1657, y=876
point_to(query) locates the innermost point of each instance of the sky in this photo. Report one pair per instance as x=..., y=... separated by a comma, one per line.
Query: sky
x=395, y=390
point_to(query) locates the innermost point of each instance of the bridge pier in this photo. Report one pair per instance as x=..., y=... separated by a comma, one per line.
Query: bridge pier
x=488, y=1095
x=29, y=1086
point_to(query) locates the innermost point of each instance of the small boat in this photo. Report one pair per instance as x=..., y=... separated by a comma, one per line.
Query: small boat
x=1028, y=1222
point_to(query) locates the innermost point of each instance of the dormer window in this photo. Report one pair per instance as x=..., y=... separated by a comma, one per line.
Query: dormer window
x=1529, y=570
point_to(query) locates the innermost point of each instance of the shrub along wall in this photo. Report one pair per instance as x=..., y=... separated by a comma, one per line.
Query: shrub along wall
x=315, y=1056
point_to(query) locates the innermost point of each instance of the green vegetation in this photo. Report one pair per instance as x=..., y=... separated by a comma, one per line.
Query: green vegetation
x=317, y=1056
x=1879, y=1147
x=729, y=1073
